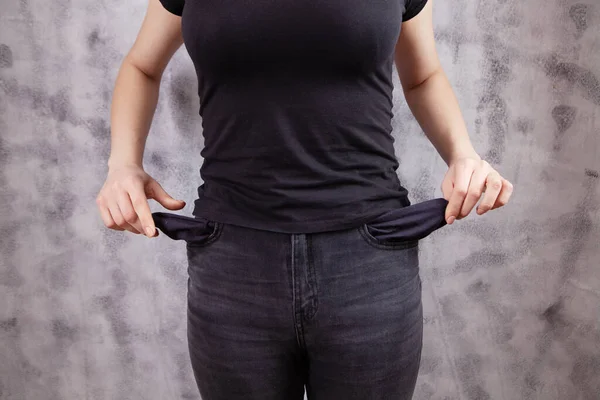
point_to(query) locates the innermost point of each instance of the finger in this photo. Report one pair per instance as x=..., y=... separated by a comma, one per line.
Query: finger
x=447, y=186
x=156, y=192
x=128, y=211
x=142, y=209
x=117, y=216
x=493, y=186
x=475, y=190
x=107, y=218
x=462, y=177
x=505, y=194
x=122, y=224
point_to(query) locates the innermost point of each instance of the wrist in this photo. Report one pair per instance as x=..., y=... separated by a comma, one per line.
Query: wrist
x=462, y=154
x=116, y=163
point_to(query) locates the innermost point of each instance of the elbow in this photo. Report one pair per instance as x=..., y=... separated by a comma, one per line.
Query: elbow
x=151, y=73
x=421, y=80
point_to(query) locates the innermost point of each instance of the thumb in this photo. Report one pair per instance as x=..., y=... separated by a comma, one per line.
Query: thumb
x=156, y=192
x=447, y=186
x=447, y=189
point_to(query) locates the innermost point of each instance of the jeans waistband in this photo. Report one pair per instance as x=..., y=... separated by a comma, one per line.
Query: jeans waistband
x=413, y=222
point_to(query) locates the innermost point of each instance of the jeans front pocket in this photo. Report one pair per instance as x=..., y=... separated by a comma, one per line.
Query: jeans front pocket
x=403, y=228
x=198, y=232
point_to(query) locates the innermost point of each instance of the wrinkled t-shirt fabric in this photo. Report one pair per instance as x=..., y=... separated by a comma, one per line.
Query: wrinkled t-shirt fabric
x=296, y=106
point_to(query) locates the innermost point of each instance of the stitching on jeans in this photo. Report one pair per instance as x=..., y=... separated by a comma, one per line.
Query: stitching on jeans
x=216, y=234
x=312, y=278
x=297, y=315
x=372, y=241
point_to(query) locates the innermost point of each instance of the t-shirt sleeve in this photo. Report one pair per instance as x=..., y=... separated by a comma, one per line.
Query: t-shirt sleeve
x=412, y=8
x=173, y=6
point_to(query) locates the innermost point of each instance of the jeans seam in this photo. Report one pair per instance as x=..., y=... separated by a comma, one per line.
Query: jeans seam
x=216, y=234
x=298, y=327
x=312, y=279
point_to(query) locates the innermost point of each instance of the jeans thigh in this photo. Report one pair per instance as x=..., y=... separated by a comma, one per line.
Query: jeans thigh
x=365, y=340
x=241, y=338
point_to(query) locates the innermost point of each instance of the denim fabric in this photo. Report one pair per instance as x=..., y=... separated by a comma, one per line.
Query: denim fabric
x=338, y=313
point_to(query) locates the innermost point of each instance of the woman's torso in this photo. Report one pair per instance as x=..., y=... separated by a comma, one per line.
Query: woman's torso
x=296, y=104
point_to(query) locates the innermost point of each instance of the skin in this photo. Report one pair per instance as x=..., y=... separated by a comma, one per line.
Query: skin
x=123, y=199
x=430, y=97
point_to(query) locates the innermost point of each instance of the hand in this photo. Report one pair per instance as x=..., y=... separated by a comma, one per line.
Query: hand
x=123, y=200
x=467, y=180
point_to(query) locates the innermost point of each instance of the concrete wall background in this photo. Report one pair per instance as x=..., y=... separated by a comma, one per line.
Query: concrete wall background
x=512, y=299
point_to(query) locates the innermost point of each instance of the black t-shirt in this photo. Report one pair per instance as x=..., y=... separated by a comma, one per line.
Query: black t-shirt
x=296, y=106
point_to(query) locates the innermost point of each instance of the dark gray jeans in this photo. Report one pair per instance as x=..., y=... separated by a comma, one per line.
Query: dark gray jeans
x=339, y=313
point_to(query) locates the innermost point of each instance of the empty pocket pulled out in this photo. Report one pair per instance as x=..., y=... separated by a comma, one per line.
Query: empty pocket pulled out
x=195, y=231
x=409, y=223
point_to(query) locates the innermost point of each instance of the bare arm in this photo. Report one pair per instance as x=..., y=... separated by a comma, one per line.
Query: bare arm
x=123, y=199
x=432, y=101
x=427, y=89
x=137, y=86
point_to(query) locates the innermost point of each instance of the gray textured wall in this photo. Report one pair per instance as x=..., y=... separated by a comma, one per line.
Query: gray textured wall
x=512, y=299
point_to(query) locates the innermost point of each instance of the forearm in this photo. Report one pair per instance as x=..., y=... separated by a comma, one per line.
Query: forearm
x=436, y=109
x=133, y=105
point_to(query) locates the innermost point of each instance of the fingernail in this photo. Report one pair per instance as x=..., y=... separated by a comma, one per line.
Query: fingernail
x=149, y=231
x=450, y=220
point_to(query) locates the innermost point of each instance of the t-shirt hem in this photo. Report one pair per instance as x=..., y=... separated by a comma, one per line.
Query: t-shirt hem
x=175, y=9
x=413, y=12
